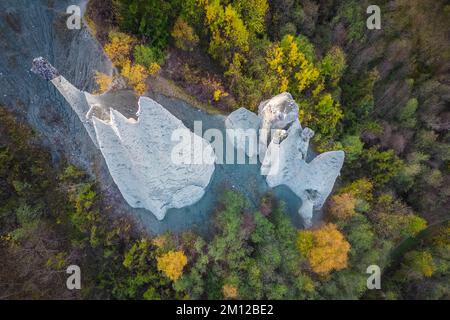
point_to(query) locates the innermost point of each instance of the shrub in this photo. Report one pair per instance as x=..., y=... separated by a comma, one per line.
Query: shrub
x=103, y=81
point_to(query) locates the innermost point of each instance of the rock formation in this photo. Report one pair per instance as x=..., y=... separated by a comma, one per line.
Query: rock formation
x=243, y=126
x=283, y=161
x=276, y=115
x=139, y=152
x=80, y=101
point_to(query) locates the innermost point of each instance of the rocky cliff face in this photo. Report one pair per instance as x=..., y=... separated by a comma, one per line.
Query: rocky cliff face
x=283, y=149
x=38, y=28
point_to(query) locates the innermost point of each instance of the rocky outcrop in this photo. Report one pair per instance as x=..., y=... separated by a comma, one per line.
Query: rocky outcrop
x=139, y=153
x=44, y=69
x=276, y=115
x=283, y=150
x=242, y=128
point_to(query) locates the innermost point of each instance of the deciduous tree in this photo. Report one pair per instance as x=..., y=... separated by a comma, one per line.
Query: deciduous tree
x=172, y=264
x=329, y=249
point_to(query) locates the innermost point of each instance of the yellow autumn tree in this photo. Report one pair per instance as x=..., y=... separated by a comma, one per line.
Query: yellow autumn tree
x=325, y=248
x=103, y=81
x=253, y=13
x=119, y=47
x=135, y=74
x=292, y=62
x=228, y=32
x=154, y=68
x=172, y=264
x=296, y=73
x=229, y=291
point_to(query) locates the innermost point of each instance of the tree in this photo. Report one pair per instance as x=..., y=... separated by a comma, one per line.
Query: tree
x=305, y=242
x=329, y=249
x=361, y=188
x=228, y=33
x=398, y=226
x=146, y=55
x=394, y=220
x=333, y=65
x=295, y=71
x=383, y=165
x=325, y=115
x=407, y=115
x=293, y=64
x=253, y=13
x=119, y=47
x=172, y=264
x=184, y=35
x=353, y=147
x=358, y=99
x=150, y=19
x=135, y=74
x=420, y=263
x=342, y=206
x=361, y=237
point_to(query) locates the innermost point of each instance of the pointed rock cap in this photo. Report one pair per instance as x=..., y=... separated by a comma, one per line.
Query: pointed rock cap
x=44, y=69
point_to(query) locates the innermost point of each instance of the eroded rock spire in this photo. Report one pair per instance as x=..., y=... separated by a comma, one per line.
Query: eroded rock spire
x=138, y=153
x=283, y=147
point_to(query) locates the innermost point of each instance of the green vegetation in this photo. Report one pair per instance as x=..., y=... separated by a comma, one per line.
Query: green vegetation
x=381, y=97
x=251, y=255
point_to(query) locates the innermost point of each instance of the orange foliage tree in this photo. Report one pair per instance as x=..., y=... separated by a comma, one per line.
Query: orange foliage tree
x=172, y=264
x=342, y=206
x=229, y=291
x=325, y=248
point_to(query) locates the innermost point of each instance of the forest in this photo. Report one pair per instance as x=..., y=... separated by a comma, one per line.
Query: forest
x=382, y=96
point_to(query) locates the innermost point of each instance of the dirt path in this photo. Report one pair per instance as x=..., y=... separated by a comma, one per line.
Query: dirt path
x=168, y=88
